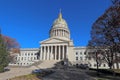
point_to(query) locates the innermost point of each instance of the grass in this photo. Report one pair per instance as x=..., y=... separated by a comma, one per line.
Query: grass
x=105, y=74
x=116, y=70
x=26, y=77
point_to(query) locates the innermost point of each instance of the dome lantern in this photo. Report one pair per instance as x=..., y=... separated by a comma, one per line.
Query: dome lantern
x=60, y=28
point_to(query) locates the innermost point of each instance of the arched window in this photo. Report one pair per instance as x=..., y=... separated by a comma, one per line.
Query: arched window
x=104, y=65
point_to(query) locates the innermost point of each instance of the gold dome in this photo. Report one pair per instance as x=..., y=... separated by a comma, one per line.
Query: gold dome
x=60, y=21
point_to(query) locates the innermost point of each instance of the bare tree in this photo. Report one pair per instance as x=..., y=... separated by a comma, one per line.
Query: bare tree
x=105, y=34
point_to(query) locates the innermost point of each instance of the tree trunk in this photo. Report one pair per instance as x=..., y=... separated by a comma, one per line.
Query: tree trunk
x=97, y=68
x=117, y=62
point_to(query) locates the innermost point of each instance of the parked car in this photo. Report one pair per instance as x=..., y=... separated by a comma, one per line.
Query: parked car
x=37, y=71
x=6, y=69
x=83, y=66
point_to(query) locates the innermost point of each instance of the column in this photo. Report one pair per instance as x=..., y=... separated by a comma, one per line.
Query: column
x=59, y=53
x=57, y=32
x=62, y=32
x=48, y=53
x=63, y=52
x=61, y=57
x=55, y=51
x=65, y=34
x=44, y=52
x=51, y=54
x=41, y=53
x=66, y=51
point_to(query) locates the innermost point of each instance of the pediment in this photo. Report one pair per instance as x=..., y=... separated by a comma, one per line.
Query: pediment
x=53, y=40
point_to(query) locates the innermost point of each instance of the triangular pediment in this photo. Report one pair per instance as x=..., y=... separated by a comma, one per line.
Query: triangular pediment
x=53, y=40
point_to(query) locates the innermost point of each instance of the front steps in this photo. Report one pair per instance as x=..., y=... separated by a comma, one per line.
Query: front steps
x=47, y=64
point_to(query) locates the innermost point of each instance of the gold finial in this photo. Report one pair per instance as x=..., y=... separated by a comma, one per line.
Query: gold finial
x=60, y=15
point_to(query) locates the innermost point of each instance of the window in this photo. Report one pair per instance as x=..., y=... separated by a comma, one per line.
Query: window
x=104, y=65
x=85, y=57
x=81, y=58
x=19, y=59
x=85, y=53
x=76, y=58
x=34, y=58
x=15, y=58
x=95, y=65
x=22, y=58
x=76, y=53
x=80, y=53
x=25, y=58
x=90, y=65
x=89, y=58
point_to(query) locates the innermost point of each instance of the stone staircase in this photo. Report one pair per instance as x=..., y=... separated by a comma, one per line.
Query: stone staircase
x=40, y=64
x=47, y=64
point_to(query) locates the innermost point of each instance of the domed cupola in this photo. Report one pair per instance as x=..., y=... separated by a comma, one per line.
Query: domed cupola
x=60, y=29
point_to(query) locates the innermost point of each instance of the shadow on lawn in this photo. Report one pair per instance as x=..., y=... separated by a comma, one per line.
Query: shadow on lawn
x=103, y=73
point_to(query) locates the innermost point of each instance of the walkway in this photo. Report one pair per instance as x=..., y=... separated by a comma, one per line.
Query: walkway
x=68, y=75
x=15, y=72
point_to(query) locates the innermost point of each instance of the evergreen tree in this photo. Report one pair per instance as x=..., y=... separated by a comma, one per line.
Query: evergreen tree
x=4, y=59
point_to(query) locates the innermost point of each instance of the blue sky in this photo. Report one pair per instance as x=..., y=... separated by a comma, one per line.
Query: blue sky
x=29, y=21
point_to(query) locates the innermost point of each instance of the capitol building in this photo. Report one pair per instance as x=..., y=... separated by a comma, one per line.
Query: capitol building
x=58, y=47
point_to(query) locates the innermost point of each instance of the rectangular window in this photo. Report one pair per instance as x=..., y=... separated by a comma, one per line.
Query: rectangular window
x=89, y=58
x=85, y=57
x=81, y=58
x=80, y=53
x=95, y=65
x=76, y=53
x=76, y=58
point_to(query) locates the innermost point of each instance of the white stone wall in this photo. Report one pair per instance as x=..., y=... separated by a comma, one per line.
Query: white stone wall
x=80, y=55
x=27, y=56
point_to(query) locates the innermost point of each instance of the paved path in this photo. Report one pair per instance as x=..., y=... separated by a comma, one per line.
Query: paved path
x=68, y=75
x=14, y=72
x=59, y=74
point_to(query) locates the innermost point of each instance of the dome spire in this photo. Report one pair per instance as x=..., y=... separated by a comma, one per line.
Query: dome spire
x=60, y=15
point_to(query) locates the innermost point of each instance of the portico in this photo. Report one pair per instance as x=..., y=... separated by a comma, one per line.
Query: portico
x=53, y=52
